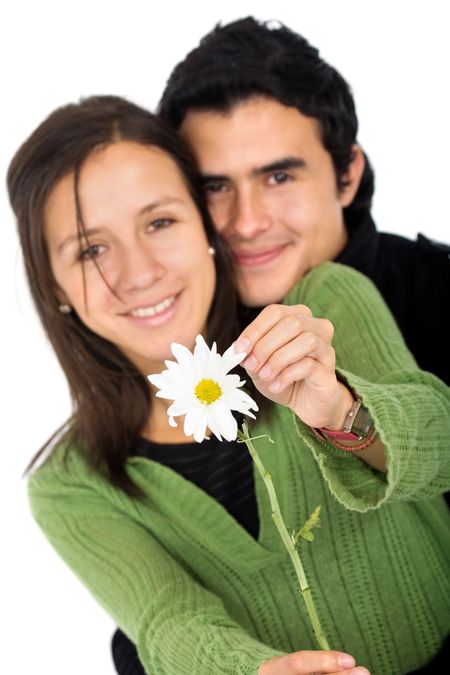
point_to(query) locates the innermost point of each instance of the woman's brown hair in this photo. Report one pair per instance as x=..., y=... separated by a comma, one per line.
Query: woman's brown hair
x=110, y=396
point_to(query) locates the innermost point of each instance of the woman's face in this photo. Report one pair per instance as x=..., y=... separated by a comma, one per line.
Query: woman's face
x=146, y=238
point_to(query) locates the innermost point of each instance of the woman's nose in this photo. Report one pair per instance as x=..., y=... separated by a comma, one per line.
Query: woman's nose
x=139, y=268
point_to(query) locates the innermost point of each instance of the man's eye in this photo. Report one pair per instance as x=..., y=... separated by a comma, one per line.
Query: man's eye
x=214, y=186
x=90, y=252
x=278, y=177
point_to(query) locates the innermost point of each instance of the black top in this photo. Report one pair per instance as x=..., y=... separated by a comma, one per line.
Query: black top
x=223, y=470
x=414, y=279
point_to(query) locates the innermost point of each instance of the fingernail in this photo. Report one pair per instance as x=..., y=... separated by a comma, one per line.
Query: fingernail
x=346, y=661
x=250, y=363
x=242, y=345
x=275, y=386
x=359, y=671
x=265, y=372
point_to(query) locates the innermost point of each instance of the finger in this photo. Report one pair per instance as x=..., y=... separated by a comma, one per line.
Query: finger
x=284, y=331
x=309, y=662
x=320, y=662
x=314, y=373
x=265, y=320
x=306, y=345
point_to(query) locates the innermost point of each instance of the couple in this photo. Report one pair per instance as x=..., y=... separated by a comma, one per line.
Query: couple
x=175, y=538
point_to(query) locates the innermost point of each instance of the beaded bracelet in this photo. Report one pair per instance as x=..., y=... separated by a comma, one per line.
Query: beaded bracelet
x=348, y=448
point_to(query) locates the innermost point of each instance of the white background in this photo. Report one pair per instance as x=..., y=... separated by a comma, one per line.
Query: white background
x=395, y=55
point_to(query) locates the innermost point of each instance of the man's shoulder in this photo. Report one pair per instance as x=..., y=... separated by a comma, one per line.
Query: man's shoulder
x=433, y=247
x=422, y=249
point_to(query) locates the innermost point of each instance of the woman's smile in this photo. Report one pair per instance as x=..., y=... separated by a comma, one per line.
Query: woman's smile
x=153, y=316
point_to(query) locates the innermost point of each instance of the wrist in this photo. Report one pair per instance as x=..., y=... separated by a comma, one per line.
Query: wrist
x=357, y=426
x=346, y=400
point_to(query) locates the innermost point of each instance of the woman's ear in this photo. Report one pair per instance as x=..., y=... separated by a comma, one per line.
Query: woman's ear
x=60, y=296
x=352, y=176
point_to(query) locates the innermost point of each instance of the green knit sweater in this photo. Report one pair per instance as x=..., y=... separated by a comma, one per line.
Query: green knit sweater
x=198, y=595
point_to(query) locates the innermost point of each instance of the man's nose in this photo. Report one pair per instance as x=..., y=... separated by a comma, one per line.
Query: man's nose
x=249, y=216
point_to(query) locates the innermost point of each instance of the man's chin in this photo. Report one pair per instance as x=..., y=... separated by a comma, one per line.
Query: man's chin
x=255, y=298
x=268, y=289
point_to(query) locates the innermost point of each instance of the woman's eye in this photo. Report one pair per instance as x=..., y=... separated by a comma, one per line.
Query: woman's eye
x=90, y=252
x=160, y=223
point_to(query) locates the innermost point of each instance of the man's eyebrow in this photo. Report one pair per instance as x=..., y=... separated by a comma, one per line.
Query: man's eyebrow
x=278, y=165
x=213, y=177
x=281, y=165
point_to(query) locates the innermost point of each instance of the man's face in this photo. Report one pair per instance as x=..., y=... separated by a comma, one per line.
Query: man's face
x=271, y=191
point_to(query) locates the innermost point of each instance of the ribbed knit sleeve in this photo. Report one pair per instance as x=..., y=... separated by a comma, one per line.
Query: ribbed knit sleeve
x=411, y=408
x=177, y=625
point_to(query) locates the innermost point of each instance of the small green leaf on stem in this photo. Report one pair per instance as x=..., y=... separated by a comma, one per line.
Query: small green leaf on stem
x=305, y=531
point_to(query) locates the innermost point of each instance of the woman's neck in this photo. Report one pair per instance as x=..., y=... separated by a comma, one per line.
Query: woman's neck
x=158, y=429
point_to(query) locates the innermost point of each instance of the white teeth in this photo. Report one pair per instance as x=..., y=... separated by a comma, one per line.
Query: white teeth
x=154, y=309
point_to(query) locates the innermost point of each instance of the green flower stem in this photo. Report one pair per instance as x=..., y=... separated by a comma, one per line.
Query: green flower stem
x=287, y=539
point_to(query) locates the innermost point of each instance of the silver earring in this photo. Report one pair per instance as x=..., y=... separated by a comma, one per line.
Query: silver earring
x=212, y=250
x=65, y=309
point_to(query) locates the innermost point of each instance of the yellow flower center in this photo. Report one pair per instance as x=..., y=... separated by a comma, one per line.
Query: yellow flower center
x=208, y=391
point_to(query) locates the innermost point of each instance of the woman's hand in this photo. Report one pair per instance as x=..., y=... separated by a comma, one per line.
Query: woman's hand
x=312, y=663
x=291, y=361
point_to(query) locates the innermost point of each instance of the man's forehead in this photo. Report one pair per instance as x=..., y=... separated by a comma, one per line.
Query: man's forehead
x=253, y=136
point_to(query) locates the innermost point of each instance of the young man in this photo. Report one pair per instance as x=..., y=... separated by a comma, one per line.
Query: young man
x=274, y=130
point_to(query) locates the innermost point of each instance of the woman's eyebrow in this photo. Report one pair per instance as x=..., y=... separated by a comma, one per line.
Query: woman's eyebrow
x=163, y=201
x=76, y=237
x=148, y=208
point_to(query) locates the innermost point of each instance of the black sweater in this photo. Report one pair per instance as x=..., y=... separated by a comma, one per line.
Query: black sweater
x=414, y=279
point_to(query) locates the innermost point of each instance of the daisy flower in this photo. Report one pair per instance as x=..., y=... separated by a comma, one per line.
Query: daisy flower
x=201, y=389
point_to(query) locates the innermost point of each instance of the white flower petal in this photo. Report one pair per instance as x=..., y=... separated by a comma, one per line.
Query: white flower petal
x=221, y=421
x=201, y=354
x=237, y=395
x=230, y=382
x=175, y=410
x=241, y=408
x=194, y=418
x=170, y=394
x=172, y=422
x=171, y=364
x=157, y=379
x=231, y=359
x=182, y=355
x=200, y=429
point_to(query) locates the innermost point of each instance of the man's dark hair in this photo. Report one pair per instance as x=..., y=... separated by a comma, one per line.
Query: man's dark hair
x=248, y=58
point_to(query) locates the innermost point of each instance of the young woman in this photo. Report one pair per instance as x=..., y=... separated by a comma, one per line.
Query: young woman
x=175, y=538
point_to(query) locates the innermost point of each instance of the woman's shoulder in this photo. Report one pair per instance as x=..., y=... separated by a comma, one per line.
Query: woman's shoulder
x=60, y=452
x=62, y=476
